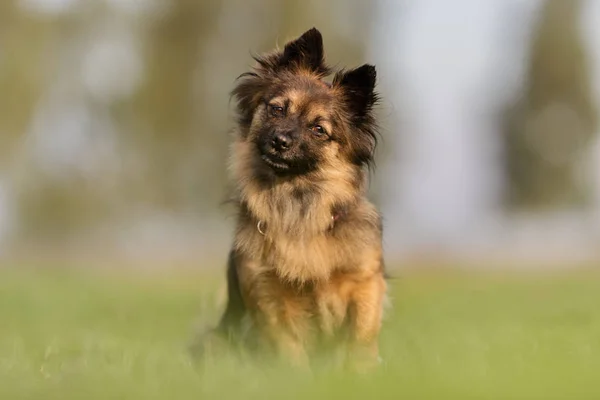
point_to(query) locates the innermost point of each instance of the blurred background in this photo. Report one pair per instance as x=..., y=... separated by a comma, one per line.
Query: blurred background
x=115, y=121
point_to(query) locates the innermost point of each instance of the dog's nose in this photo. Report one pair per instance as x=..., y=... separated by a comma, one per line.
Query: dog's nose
x=281, y=141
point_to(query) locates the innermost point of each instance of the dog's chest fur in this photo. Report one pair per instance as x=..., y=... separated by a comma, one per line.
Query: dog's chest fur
x=299, y=242
x=293, y=227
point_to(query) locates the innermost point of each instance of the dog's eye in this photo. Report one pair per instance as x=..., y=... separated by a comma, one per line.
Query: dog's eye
x=318, y=130
x=276, y=111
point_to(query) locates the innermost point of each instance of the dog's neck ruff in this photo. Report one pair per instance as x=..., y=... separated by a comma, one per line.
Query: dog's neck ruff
x=261, y=226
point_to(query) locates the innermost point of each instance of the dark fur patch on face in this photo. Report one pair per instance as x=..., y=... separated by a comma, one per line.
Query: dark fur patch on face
x=297, y=121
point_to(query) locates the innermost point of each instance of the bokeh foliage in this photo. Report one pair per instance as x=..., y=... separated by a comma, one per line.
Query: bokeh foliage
x=155, y=127
x=549, y=129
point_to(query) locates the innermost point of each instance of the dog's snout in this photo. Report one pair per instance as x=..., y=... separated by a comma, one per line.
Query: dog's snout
x=282, y=141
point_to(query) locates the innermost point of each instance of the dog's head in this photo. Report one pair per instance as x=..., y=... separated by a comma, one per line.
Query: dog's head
x=294, y=122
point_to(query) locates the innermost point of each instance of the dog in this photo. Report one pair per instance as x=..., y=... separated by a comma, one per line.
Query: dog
x=305, y=269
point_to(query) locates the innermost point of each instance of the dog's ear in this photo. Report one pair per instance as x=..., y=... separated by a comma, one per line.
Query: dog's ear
x=358, y=91
x=305, y=52
x=358, y=86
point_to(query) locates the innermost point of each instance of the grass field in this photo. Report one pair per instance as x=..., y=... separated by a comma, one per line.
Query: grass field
x=67, y=335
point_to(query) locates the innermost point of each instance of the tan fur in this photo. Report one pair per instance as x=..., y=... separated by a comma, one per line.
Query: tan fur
x=305, y=276
x=343, y=268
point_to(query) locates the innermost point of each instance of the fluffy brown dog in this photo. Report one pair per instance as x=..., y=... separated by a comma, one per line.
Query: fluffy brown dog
x=306, y=264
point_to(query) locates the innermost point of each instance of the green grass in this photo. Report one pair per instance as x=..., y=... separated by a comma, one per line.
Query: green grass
x=67, y=335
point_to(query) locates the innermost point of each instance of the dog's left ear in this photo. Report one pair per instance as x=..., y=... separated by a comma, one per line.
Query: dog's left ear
x=305, y=52
x=358, y=86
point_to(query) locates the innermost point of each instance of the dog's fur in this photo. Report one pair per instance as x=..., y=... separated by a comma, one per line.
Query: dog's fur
x=306, y=264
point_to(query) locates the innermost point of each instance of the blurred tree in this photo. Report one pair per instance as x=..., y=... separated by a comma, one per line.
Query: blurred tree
x=167, y=145
x=548, y=129
x=24, y=40
x=57, y=203
x=182, y=147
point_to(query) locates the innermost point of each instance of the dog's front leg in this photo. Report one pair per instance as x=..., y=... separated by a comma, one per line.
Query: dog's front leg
x=283, y=336
x=281, y=316
x=290, y=348
x=367, y=306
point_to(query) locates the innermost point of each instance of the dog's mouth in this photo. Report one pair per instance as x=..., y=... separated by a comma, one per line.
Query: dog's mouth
x=276, y=163
x=285, y=164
